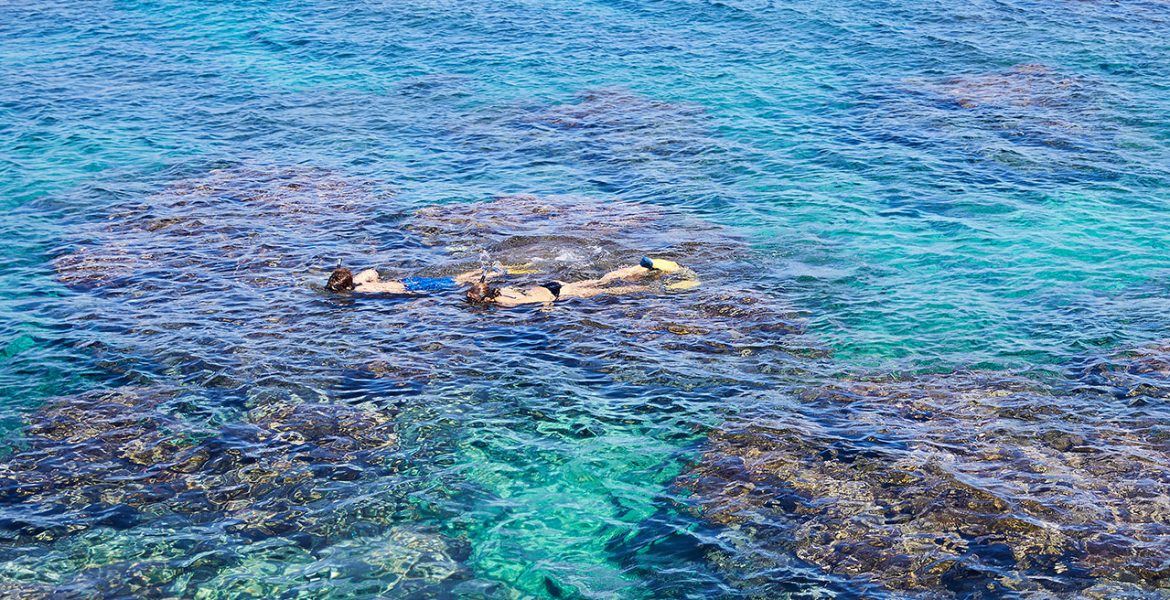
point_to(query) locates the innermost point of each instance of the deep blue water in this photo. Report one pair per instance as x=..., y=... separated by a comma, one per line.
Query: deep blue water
x=915, y=186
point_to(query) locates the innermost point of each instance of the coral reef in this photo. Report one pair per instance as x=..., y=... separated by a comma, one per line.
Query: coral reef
x=966, y=484
x=116, y=458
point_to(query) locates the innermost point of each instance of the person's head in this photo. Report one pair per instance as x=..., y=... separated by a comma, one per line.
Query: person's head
x=341, y=280
x=482, y=293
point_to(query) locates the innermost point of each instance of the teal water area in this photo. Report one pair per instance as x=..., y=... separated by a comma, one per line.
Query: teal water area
x=898, y=187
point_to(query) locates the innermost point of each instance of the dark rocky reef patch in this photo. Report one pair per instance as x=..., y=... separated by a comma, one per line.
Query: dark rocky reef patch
x=214, y=276
x=965, y=485
x=233, y=226
x=1028, y=124
x=403, y=562
x=614, y=139
x=319, y=388
x=1136, y=374
x=1021, y=86
x=109, y=473
x=93, y=460
x=561, y=230
x=730, y=328
x=407, y=562
x=613, y=110
x=117, y=458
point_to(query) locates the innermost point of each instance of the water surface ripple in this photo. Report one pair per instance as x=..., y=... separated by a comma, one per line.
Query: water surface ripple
x=928, y=357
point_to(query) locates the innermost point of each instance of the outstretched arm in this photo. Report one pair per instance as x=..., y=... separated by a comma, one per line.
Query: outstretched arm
x=626, y=273
x=368, y=282
x=473, y=276
x=647, y=266
x=366, y=276
x=578, y=290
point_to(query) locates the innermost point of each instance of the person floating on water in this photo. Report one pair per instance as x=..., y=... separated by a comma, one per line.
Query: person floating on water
x=369, y=282
x=482, y=293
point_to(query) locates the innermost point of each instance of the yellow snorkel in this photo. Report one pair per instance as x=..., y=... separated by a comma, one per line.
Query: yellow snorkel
x=689, y=281
x=659, y=264
x=525, y=269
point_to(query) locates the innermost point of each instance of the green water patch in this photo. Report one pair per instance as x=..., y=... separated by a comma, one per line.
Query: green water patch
x=548, y=526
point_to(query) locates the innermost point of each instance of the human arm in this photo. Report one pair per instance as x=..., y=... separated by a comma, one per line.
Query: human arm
x=381, y=287
x=366, y=276
x=475, y=275
x=368, y=282
x=580, y=290
x=510, y=296
x=634, y=272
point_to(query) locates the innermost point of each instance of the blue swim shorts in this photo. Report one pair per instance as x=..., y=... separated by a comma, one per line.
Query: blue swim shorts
x=428, y=284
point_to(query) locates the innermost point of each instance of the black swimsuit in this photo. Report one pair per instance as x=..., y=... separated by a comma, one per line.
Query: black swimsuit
x=553, y=287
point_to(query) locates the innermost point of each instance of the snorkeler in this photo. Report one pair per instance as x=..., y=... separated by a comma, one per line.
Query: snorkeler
x=482, y=293
x=369, y=282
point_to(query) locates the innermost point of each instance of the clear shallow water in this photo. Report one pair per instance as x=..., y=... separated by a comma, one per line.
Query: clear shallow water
x=887, y=177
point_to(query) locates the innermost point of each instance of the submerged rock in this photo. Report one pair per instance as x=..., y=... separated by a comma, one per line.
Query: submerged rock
x=1144, y=372
x=21, y=590
x=613, y=109
x=960, y=485
x=546, y=233
x=402, y=563
x=399, y=561
x=614, y=140
x=570, y=238
x=114, y=458
x=1029, y=121
x=617, y=126
x=337, y=429
x=230, y=226
x=1021, y=86
x=283, y=471
x=95, y=459
x=105, y=265
x=215, y=277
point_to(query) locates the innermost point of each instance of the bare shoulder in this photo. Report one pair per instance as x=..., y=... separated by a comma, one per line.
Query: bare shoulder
x=380, y=287
x=366, y=276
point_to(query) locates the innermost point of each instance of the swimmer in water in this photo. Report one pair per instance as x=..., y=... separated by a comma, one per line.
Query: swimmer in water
x=482, y=293
x=369, y=282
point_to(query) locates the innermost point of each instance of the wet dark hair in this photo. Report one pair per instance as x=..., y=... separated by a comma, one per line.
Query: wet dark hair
x=341, y=280
x=482, y=293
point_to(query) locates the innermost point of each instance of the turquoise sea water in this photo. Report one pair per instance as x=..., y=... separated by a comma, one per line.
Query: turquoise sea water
x=925, y=186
